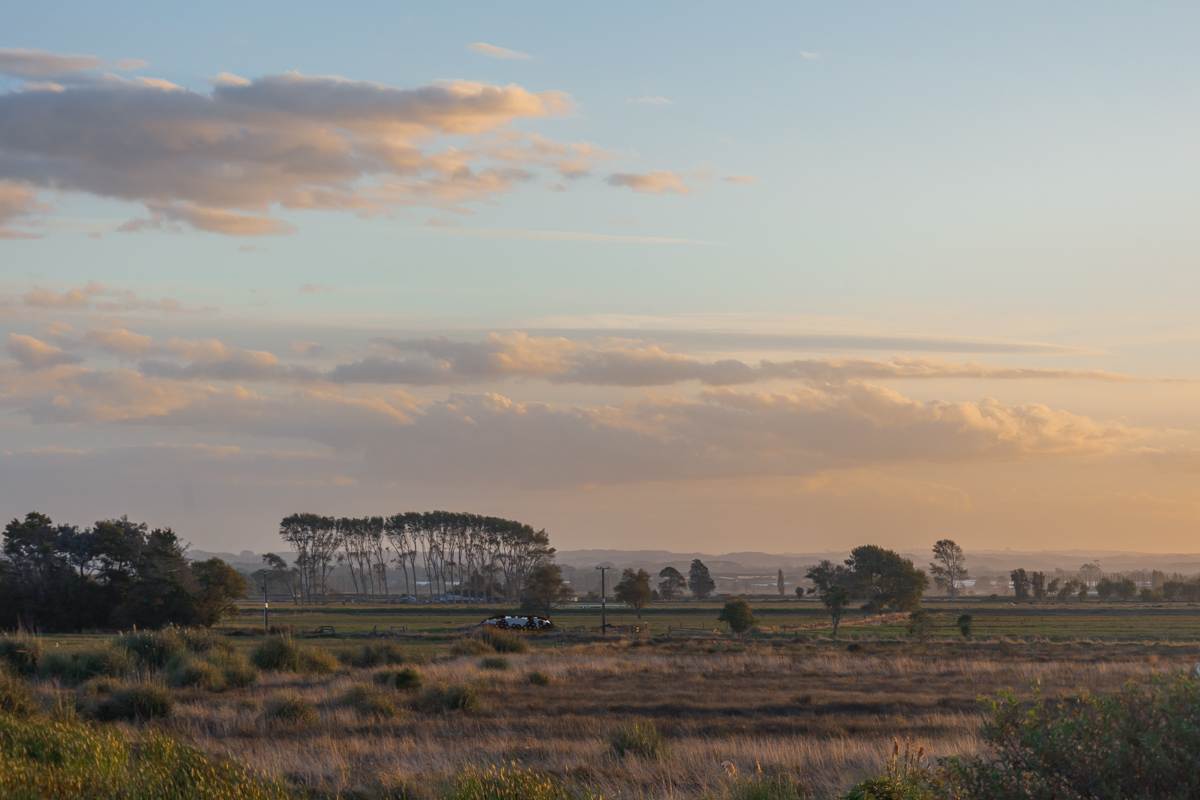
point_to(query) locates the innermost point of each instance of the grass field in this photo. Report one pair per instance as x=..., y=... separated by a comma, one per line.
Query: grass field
x=785, y=699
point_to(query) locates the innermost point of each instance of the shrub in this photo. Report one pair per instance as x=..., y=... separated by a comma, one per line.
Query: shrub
x=15, y=697
x=75, y=668
x=370, y=702
x=737, y=615
x=406, y=679
x=508, y=783
x=187, y=670
x=907, y=776
x=920, y=624
x=539, y=678
x=153, y=649
x=470, y=647
x=236, y=669
x=135, y=702
x=502, y=641
x=640, y=739
x=444, y=699
x=964, y=625
x=21, y=653
x=378, y=654
x=494, y=662
x=281, y=653
x=41, y=758
x=1139, y=742
x=290, y=710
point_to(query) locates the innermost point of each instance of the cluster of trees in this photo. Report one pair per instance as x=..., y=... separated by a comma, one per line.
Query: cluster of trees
x=115, y=574
x=882, y=579
x=466, y=554
x=698, y=581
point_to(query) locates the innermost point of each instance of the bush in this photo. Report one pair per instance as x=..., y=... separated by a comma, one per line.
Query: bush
x=738, y=616
x=539, y=678
x=964, y=625
x=290, y=710
x=508, y=783
x=187, y=671
x=502, y=641
x=920, y=624
x=75, y=668
x=470, y=647
x=494, y=662
x=1139, y=742
x=640, y=739
x=42, y=758
x=21, y=653
x=15, y=697
x=281, y=653
x=134, y=702
x=407, y=679
x=444, y=699
x=370, y=702
x=236, y=669
x=153, y=649
x=906, y=777
x=379, y=654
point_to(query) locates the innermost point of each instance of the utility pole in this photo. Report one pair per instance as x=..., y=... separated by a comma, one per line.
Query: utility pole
x=603, y=601
x=266, y=611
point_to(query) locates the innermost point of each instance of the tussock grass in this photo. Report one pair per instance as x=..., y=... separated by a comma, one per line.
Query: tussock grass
x=133, y=702
x=444, y=699
x=77, y=667
x=406, y=679
x=282, y=653
x=20, y=653
x=290, y=710
x=641, y=739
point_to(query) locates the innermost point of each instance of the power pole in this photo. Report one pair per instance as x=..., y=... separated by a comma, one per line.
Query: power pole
x=266, y=611
x=603, y=601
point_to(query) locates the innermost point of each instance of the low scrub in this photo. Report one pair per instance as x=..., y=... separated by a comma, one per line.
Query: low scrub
x=494, y=662
x=188, y=671
x=290, y=710
x=445, y=699
x=470, y=646
x=236, y=670
x=641, y=739
x=767, y=787
x=44, y=758
x=510, y=783
x=133, y=702
x=15, y=697
x=406, y=679
x=503, y=641
x=154, y=649
x=77, y=667
x=20, y=653
x=370, y=701
x=283, y=654
x=538, y=678
x=376, y=654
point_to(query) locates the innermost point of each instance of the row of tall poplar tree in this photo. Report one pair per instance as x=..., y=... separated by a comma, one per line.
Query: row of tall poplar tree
x=469, y=555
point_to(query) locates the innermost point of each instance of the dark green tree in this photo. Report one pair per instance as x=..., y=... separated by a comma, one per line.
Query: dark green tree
x=832, y=584
x=699, y=581
x=219, y=587
x=738, y=615
x=885, y=580
x=949, y=566
x=672, y=583
x=634, y=590
x=543, y=588
x=1020, y=583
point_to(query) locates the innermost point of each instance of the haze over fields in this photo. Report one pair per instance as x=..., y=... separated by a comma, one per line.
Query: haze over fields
x=886, y=277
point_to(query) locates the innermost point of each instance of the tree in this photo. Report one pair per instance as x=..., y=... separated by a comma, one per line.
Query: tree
x=949, y=566
x=220, y=587
x=1037, y=585
x=699, y=581
x=779, y=582
x=543, y=588
x=1020, y=584
x=738, y=615
x=634, y=590
x=920, y=623
x=832, y=584
x=884, y=579
x=672, y=583
x=964, y=625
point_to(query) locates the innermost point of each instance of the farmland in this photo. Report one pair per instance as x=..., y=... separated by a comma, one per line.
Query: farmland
x=784, y=699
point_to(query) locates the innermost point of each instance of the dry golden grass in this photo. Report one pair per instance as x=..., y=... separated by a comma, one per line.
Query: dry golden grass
x=815, y=710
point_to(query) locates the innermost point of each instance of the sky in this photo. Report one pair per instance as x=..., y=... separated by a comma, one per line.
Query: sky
x=783, y=276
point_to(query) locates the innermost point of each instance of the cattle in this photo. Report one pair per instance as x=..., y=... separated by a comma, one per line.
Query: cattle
x=519, y=622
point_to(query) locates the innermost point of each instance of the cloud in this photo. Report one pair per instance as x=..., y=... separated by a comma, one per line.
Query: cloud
x=810, y=55
x=651, y=100
x=743, y=180
x=34, y=354
x=507, y=356
x=492, y=439
x=16, y=201
x=656, y=182
x=226, y=160
x=528, y=234
x=495, y=51
x=95, y=296
x=41, y=65
x=315, y=288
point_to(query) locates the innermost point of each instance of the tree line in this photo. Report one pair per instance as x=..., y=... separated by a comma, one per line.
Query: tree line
x=470, y=555
x=113, y=574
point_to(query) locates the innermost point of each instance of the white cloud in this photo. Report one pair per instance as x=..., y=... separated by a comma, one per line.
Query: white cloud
x=651, y=100
x=495, y=51
x=656, y=182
